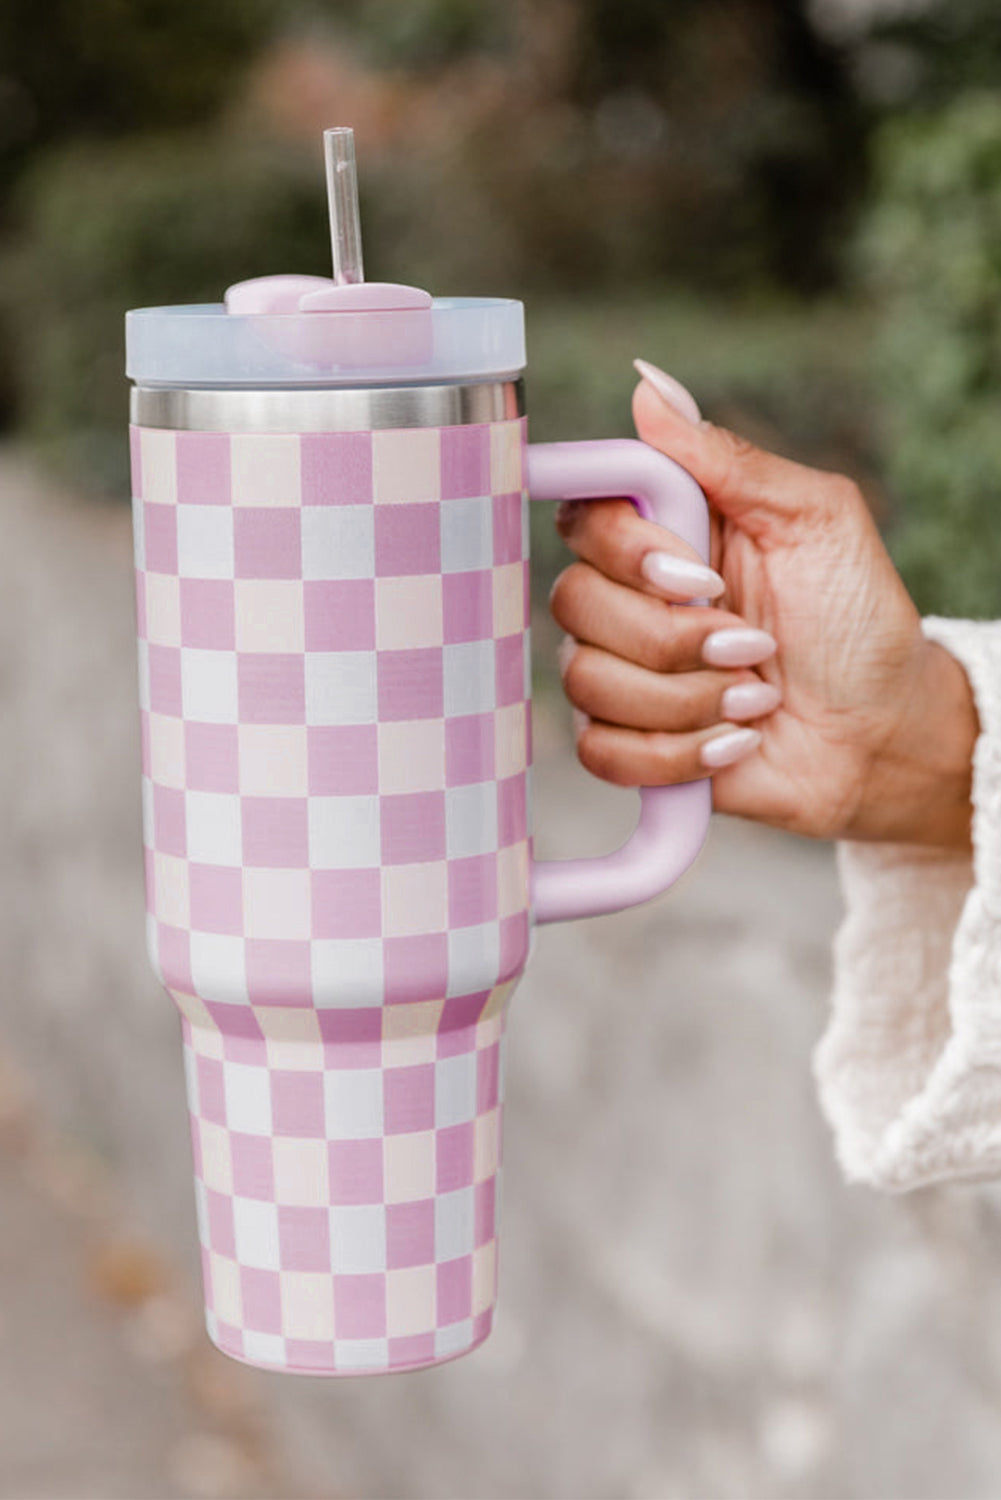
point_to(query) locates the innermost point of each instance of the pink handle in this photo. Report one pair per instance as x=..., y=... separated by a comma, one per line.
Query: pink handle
x=674, y=819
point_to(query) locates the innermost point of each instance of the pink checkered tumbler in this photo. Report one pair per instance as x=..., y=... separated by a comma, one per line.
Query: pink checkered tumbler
x=330, y=489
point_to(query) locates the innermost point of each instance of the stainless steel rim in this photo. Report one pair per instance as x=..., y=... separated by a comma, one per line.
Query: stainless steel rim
x=333, y=409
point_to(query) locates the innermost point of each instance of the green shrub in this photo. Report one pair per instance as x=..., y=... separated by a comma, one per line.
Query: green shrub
x=932, y=253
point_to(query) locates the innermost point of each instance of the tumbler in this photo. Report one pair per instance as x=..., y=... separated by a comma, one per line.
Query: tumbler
x=330, y=482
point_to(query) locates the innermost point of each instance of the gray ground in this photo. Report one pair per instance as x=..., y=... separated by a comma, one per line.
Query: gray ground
x=692, y=1305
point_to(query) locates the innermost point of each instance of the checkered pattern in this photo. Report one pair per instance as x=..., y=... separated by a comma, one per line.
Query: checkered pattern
x=347, y=1190
x=334, y=690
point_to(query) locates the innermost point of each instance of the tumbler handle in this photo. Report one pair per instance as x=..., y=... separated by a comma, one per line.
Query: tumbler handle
x=673, y=820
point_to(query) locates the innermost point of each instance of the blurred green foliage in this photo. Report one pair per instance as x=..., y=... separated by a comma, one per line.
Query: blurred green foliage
x=715, y=141
x=139, y=222
x=932, y=251
x=424, y=34
x=932, y=53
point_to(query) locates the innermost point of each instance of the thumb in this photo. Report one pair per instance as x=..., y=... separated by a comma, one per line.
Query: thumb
x=765, y=495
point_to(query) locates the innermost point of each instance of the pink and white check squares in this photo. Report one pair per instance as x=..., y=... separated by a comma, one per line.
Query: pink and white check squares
x=335, y=733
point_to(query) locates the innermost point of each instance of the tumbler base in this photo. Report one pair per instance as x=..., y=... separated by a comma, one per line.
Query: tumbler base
x=480, y=1333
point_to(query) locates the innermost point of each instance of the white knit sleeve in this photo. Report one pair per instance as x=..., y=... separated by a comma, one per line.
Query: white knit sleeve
x=909, y=1069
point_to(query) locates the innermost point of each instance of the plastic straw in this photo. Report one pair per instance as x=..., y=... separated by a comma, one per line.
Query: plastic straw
x=342, y=199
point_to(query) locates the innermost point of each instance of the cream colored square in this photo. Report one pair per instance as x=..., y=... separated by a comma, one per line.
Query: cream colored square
x=408, y=613
x=489, y=1030
x=301, y=1174
x=406, y=465
x=217, y=1164
x=506, y=458
x=291, y=1025
x=227, y=1303
x=158, y=456
x=273, y=760
x=412, y=755
x=276, y=904
x=419, y=1018
x=163, y=609
x=509, y=599
x=307, y=1305
x=484, y=1277
x=414, y=899
x=408, y=1167
x=486, y=1145
x=170, y=884
x=410, y=1301
x=166, y=750
x=206, y=1038
x=264, y=469
x=497, y=1003
x=510, y=740
x=410, y=1033
x=512, y=880
x=269, y=615
x=295, y=1057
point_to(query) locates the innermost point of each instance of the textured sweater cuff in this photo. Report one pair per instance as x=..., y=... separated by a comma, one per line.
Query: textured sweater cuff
x=909, y=1070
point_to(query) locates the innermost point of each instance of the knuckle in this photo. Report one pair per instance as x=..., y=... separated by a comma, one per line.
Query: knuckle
x=697, y=704
x=597, y=753
x=733, y=444
x=843, y=494
x=664, y=645
x=569, y=517
x=567, y=594
x=577, y=676
x=671, y=761
x=731, y=452
x=620, y=519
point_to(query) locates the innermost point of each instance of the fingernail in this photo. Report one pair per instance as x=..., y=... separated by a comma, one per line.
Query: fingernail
x=725, y=749
x=740, y=646
x=669, y=390
x=564, y=652
x=749, y=700
x=680, y=578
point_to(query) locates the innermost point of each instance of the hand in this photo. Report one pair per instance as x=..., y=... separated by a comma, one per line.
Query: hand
x=865, y=729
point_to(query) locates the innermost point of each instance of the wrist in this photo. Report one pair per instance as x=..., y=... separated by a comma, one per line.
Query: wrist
x=918, y=784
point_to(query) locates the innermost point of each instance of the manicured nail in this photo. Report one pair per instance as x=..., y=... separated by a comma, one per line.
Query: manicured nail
x=669, y=390
x=749, y=700
x=680, y=578
x=740, y=646
x=725, y=749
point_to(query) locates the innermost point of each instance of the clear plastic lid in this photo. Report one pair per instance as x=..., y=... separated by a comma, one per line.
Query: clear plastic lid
x=450, y=339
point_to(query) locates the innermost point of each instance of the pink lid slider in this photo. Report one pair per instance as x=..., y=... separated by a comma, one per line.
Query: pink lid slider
x=396, y=327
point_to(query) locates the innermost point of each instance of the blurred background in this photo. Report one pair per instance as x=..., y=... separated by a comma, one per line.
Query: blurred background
x=796, y=208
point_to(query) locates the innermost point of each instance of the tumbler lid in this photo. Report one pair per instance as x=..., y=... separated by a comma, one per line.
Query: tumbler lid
x=470, y=338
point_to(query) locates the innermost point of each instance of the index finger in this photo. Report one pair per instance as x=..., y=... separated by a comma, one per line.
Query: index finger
x=612, y=537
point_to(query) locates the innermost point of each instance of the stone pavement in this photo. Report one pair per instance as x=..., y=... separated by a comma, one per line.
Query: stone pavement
x=692, y=1304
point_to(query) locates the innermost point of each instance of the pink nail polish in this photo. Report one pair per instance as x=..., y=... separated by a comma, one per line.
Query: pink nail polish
x=680, y=578
x=669, y=390
x=738, y=646
x=725, y=749
x=749, y=700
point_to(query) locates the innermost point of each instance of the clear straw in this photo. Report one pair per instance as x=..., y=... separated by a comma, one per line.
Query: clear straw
x=342, y=199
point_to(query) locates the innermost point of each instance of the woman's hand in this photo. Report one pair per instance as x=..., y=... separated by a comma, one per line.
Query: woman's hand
x=863, y=729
